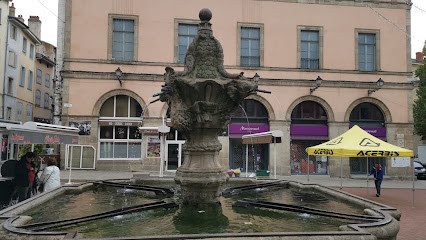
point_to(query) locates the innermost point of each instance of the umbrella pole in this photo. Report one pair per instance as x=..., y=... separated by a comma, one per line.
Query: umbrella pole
x=275, y=157
x=412, y=171
x=368, y=166
x=247, y=152
x=162, y=154
x=308, y=167
x=341, y=173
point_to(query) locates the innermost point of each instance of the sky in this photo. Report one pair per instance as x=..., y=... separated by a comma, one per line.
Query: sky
x=47, y=10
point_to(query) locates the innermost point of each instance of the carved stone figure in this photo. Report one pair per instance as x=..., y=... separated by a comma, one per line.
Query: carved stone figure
x=201, y=100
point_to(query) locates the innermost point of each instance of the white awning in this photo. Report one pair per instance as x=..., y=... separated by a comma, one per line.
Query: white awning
x=39, y=133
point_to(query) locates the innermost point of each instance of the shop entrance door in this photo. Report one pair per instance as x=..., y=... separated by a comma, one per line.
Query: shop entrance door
x=174, y=155
x=258, y=156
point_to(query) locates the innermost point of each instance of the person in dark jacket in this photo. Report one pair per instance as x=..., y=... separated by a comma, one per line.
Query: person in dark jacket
x=24, y=176
x=377, y=171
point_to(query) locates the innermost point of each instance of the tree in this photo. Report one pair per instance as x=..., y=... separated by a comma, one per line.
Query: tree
x=420, y=103
x=38, y=149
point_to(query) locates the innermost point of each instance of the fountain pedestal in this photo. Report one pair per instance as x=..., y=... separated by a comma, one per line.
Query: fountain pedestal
x=201, y=100
x=201, y=176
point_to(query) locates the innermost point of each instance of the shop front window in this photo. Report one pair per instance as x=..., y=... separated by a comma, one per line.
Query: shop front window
x=117, y=143
x=308, y=128
x=299, y=159
x=119, y=137
x=371, y=119
x=250, y=117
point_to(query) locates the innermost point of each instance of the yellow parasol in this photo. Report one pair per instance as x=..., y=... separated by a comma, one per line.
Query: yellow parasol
x=358, y=143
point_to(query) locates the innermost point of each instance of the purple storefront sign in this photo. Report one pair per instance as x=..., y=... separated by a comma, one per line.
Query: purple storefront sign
x=309, y=130
x=247, y=129
x=377, y=132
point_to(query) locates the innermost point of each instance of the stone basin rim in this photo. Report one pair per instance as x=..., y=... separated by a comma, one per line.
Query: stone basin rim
x=353, y=231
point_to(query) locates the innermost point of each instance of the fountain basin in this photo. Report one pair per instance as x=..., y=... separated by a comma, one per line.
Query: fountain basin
x=225, y=222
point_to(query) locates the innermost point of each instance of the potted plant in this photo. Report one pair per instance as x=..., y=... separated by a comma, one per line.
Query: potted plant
x=230, y=172
x=237, y=173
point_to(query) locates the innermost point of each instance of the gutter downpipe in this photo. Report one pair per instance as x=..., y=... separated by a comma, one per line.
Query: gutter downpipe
x=6, y=55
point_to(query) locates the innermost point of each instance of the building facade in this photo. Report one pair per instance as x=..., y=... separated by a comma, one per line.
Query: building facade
x=19, y=72
x=329, y=66
x=44, y=75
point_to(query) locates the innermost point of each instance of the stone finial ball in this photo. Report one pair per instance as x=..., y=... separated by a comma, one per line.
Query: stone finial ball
x=205, y=14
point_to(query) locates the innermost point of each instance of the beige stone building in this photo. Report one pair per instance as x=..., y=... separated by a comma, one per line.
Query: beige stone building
x=329, y=65
x=44, y=75
x=19, y=71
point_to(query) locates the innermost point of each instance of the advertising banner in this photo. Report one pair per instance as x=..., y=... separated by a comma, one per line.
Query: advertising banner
x=247, y=129
x=25, y=137
x=309, y=130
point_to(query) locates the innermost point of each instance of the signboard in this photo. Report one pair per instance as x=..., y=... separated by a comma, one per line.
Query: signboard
x=26, y=137
x=309, y=130
x=258, y=140
x=247, y=129
x=377, y=132
x=401, y=161
x=84, y=127
x=119, y=123
x=421, y=149
x=153, y=147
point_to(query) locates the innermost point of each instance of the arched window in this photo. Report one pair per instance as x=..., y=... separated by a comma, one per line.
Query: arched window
x=308, y=112
x=308, y=128
x=251, y=109
x=370, y=118
x=119, y=137
x=367, y=114
x=121, y=106
x=251, y=114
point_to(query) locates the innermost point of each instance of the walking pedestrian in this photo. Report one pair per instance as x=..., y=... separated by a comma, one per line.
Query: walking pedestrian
x=377, y=171
x=24, y=176
x=51, y=176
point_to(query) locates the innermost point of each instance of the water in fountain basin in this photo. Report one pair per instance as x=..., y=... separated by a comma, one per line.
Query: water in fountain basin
x=224, y=218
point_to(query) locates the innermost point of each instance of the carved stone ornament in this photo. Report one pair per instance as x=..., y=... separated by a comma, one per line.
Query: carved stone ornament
x=201, y=99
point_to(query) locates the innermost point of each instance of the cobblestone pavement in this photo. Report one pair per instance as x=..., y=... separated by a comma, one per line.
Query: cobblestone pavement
x=413, y=219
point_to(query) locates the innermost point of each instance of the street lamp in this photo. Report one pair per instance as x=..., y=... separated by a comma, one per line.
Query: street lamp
x=318, y=82
x=256, y=78
x=379, y=83
x=118, y=74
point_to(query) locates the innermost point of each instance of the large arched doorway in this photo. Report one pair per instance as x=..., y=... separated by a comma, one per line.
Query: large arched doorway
x=369, y=117
x=251, y=117
x=119, y=137
x=308, y=128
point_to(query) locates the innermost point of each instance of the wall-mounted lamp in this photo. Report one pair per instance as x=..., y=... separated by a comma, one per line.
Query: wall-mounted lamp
x=318, y=81
x=118, y=74
x=256, y=78
x=379, y=83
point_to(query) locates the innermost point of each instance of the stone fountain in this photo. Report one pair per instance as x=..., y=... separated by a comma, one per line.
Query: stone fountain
x=201, y=100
